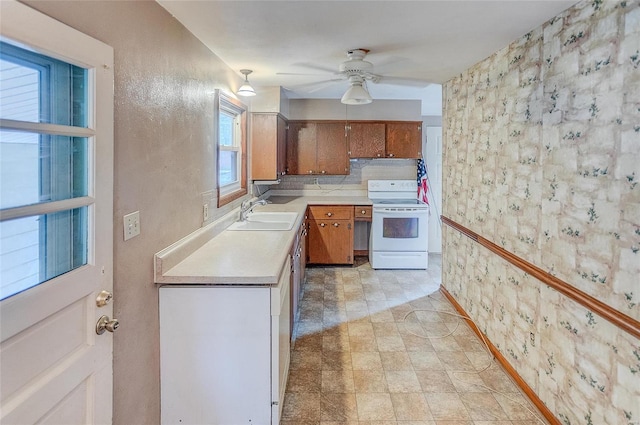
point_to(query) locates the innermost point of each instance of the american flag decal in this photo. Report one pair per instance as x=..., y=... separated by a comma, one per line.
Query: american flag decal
x=423, y=188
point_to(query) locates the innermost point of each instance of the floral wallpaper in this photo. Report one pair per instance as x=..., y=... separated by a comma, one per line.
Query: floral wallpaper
x=542, y=157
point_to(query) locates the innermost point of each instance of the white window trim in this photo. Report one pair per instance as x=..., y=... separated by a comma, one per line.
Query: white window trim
x=224, y=102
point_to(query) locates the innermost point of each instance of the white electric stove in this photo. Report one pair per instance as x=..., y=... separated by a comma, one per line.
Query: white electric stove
x=399, y=225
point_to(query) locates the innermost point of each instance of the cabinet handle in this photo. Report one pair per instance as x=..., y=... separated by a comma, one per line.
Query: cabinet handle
x=336, y=224
x=329, y=214
x=322, y=224
x=378, y=155
x=323, y=172
x=310, y=171
x=390, y=155
x=363, y=212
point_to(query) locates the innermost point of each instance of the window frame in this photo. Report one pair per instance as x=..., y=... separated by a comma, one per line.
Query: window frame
x=228, y=104
x=63, y=217
x=81, y=50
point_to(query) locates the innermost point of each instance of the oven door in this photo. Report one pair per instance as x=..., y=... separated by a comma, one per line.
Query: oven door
x=399, y=229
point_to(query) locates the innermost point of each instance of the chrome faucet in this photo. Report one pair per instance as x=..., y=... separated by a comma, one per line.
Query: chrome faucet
x=247, y=206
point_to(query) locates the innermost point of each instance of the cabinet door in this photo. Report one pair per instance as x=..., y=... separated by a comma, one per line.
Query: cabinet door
x=301, y=148
x=330, y=242
x=331, y=148
x=341, y=236
x=264, y=147
x=281, y=148
x=319, y=242
x=304, y=243
x=366, y=140
x=404, y=139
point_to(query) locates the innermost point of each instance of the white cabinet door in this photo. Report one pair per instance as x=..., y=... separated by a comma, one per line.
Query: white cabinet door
x=215, y=355
x=281, y=342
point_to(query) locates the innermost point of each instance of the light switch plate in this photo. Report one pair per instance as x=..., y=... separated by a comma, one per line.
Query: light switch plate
x=131, y=225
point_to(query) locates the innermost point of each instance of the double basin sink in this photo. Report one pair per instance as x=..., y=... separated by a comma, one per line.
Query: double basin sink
x=266, y=221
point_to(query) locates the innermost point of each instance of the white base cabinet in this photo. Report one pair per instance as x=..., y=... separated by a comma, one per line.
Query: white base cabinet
x=224, y=353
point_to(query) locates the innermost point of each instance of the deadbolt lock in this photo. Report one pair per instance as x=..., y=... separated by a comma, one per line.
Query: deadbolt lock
x=106, y=324
x=104, y=298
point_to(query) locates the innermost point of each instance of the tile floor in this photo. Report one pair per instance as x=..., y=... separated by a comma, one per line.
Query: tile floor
x=370, y=350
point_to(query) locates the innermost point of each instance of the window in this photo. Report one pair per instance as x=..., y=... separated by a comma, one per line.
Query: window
x=232, y=148
x=44, y=168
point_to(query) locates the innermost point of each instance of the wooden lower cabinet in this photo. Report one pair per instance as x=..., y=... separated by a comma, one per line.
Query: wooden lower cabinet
x=330, y=235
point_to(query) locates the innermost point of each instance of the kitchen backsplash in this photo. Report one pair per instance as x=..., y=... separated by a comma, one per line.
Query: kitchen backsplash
x=362, y=171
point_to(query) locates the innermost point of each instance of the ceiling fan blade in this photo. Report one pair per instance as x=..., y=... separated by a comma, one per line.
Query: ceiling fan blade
x=314, y=86
x=402, y=81
x=316, y=67
x=297, y=73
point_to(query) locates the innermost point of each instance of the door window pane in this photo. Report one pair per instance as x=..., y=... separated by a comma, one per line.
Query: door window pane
x=38, y=248
x=37, y=88
x=39, y=168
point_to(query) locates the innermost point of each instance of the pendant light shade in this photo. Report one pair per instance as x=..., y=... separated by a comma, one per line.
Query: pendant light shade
x=356, y=94
x=246, y=89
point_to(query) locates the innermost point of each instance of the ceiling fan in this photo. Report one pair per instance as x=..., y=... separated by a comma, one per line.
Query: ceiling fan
x=357, y=71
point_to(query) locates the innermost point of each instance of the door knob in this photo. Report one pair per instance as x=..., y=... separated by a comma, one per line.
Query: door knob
x=106, y=324
x=104, y=298
x=363, y=212
x=336, y=224
x=322, y=224
x=329, y=214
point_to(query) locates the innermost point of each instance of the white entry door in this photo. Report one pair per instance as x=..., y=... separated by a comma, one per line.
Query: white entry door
x=56, y=197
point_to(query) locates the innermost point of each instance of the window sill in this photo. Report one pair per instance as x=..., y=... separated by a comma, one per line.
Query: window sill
x=232, y=196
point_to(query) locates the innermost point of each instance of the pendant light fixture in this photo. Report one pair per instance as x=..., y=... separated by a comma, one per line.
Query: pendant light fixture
x=246, y=89
x=356, y=94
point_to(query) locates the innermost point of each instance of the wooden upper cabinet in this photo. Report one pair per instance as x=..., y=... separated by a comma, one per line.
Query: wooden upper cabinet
x=404, y=139
x=282, y=129
x=331, y=149
x=301, y=147
x=317, y=148
x=366, y=140
x=268, y=146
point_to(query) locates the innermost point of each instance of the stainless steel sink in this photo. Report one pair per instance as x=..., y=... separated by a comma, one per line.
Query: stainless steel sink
x=266, y=221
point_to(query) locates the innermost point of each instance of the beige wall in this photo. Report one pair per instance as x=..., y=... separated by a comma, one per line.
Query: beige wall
x=332, y=109
x=542, y=157
x=164, y=162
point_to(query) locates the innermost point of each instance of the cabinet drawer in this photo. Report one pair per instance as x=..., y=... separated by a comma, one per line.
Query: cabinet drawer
x=322, y=212
x=362, y=212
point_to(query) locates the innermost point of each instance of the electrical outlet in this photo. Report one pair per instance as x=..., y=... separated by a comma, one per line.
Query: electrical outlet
x=131, y=225
x=205, y=212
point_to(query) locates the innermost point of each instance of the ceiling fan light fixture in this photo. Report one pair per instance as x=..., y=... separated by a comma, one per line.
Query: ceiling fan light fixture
x=246, y=89
x=356, y=95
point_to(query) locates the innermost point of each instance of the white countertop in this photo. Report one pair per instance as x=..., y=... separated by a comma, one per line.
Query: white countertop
x=213, y=257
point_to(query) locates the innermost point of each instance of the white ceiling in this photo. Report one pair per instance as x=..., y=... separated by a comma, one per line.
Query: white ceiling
x=430, y=41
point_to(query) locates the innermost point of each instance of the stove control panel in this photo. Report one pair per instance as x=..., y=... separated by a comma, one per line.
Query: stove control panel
x=391, y=185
